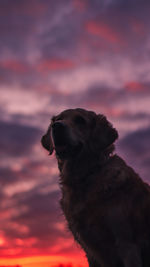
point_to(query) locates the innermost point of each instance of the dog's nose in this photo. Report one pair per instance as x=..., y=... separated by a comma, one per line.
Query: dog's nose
x=58, y=125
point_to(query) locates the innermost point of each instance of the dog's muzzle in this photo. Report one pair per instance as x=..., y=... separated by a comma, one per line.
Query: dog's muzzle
x=65, y=141
x=60, y=133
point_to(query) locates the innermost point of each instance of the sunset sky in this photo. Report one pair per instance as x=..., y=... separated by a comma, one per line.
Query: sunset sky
x=58, y=54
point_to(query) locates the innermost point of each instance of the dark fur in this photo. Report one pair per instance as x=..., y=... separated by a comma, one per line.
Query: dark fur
x=105, y=202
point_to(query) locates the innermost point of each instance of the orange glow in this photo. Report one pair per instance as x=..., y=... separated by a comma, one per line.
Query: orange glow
x=26, y=242
x=56, y=64
x=44, y=261
x=103, y=31
x=2, y=241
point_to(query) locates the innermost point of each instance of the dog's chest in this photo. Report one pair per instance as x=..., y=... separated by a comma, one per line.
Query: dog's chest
x=74, y=206
x=73, y=201
x=80, y=210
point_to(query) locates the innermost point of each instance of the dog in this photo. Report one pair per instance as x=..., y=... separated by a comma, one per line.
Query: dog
x=106, y=204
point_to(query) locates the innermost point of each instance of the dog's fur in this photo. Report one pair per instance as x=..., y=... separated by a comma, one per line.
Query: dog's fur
x=105, y=202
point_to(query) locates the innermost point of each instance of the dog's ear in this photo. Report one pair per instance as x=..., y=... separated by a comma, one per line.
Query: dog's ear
x=47, y=142
x=105, y=134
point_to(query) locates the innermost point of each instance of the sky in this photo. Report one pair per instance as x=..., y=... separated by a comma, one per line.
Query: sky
x=55, y=55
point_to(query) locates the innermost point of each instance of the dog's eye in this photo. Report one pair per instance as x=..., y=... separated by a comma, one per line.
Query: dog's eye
x=56, y=118
x=59, y=118
x=79, y=120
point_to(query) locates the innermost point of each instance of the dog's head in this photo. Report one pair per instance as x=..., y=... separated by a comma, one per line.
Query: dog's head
x=73, y=130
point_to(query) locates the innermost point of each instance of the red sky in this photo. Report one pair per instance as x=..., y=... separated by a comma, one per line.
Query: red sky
x=57, y=55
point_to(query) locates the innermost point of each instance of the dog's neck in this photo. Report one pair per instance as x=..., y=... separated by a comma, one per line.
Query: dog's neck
x=83, y=166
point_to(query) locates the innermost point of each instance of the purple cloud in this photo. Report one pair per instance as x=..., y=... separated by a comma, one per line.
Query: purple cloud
x=135, y=148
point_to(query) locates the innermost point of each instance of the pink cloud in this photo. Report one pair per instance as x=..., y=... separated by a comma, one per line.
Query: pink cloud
x=14, y=66
x=80, y=5
x=135, y=86
x=56, y=64
x=104, y=31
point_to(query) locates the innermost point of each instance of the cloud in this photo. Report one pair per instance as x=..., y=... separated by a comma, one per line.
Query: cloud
x=103, y=31
x=19, y=187
x=33, y=42
x=29, y=209
x=56, y=55
x=137, y=142
x=23, y=102
x=25, y=197
x=17, y=140
x=80, y=5
x=37, y=223
x=12, y=65
x=135, y=148
x=55, y=64
x=135, y=86
x=111, y=72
